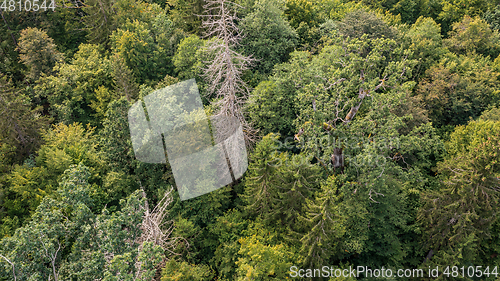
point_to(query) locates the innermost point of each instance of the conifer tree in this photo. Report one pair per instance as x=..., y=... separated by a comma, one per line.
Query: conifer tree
x=124, y=79
x=99, y=20
x=278, y=185
x=261, y=184
x=325, y=220
x=460, y=215
x=20, y=124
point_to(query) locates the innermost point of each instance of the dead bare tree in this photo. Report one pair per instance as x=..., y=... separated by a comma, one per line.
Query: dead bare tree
x=224, y=73
x=52, y=255
x=156, y=228
x=11, y=264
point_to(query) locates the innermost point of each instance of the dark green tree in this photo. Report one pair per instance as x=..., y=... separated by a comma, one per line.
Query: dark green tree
x=20, y=124
x=125, y=170
x=360, y=22
x=325, y=223
x=453, y=11
x=186, y=14
x=272, y=105
x=458, y=217
x=492, y=17
x=457, y=88
x=268, y=37
x=278, y=185
x=99, y=20
x=348, y=103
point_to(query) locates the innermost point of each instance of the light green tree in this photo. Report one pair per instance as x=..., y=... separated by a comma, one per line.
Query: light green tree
x=263, y=262
x=134, y=43
x=187, y=58
x=183, y=271
x=72, y=90
x=28, y=184
x=298, y=11
x=492, y=114
x=38, y=52
x=473, y=35
x=425, y=40
x=66, y=240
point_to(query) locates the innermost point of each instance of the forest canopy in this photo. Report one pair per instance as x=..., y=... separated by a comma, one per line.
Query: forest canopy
x=372, y=129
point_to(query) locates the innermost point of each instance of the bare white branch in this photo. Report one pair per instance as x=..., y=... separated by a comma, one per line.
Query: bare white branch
x=224, y=72
x=157, y=229
x=13, y=266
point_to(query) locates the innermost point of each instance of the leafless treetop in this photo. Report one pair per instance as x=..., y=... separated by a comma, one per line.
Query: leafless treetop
x=224, y=73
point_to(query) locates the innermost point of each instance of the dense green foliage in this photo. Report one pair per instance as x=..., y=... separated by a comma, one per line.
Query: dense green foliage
x=377, y=140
